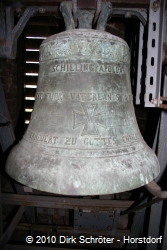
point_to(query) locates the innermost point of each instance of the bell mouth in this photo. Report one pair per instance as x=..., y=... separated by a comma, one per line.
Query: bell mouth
x=82, y=176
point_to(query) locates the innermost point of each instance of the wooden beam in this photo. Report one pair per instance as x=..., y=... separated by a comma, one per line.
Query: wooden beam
x=7, y=136
x=6, y=236
x=136, y=228
x=63, y=230
x=65, y=202
x=88, y=4
x=28, y=210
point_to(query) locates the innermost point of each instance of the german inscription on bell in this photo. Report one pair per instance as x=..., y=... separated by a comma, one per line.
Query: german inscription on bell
x=88, y=91
x=87, y=67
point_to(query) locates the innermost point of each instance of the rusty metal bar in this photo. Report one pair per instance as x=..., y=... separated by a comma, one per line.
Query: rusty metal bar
x=163, y=106
x=156, y=190
x=140, y=207
x=136, y=228
x=163, y=98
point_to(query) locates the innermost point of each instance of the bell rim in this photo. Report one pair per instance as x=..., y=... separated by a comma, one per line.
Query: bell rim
x=66, y=182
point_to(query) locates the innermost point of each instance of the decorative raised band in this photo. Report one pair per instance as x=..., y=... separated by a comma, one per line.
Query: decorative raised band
x=88, y=48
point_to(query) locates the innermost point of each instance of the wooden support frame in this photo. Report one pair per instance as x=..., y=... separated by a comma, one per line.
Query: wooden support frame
x=65, y=203
x=29, y=211
x=66, y=229
x=136, y=227
x=7, y=234
x=10, y=33
x=7, y=138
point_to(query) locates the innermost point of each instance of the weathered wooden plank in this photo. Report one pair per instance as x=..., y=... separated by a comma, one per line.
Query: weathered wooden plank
x=85, y=4
x=7, y=136
x=6, y=236
x=136, y=228
x=64, y=202
x=154, y=224
x=29, y=210
x=69, y=230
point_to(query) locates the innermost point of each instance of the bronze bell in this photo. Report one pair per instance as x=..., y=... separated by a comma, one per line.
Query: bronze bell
x=83, y=137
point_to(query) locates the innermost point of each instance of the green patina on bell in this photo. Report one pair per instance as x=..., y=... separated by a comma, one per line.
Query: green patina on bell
x=83, y=138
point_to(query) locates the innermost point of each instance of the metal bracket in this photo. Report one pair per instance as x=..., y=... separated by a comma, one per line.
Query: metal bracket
x=140, y=72
x=96, y=220
x=163, y=105
x=127, y=13
x=154, y=54
x=90, y=220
